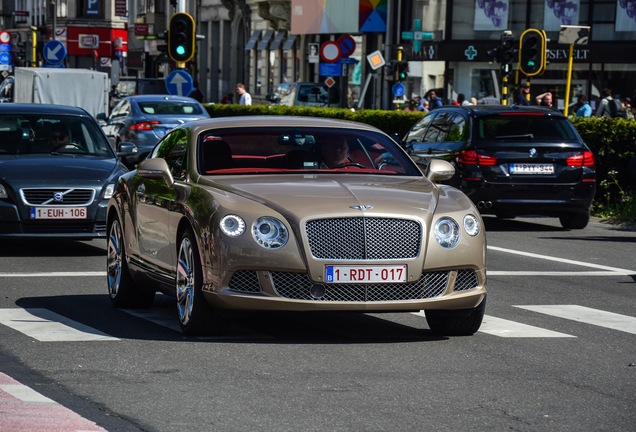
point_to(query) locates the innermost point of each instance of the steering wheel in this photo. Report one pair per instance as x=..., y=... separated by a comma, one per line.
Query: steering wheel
x=354, y=164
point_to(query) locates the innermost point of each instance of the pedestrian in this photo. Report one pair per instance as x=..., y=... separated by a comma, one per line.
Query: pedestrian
x=584, y=109
x=545, y=100
x=228, y=98
x=245, y=97
x=489, y=100
x=196, y=92
x=461, y=100
x=604, y=109
x=522, y=96
x=434, y=101
x=627, y=106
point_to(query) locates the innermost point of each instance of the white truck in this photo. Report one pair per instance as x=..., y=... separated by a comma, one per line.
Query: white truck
x=84, y=88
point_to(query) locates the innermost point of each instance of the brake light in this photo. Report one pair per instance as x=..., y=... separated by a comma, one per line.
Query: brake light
x=585, y=159
x=471, y=157
x=144, y=126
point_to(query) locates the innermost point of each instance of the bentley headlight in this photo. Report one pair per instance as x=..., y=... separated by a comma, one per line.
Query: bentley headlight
x=270, y=233
x=3, y=192
x=471, y=225
x=108, y=190
x=232, y=225
x=447, y=232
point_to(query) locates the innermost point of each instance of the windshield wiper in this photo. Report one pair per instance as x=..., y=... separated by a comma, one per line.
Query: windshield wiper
x=523, y=136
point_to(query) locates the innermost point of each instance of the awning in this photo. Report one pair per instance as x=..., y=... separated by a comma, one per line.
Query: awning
x=267, y=36
x=253, y=39
x=278, y=40
x=290, y=42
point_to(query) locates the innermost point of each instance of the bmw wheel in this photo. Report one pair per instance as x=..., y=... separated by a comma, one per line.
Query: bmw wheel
x=463, y=322
x=196, y=316
x=121, y=288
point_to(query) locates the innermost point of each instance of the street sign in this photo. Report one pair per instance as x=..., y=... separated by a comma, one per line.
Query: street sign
x=398, y=89
x=329, y=82
x=330, y=52
x=347, y=45
x=5, y=58
x=376, y=60
x=5, y=37
x=54, y=52
x=179, y=83
x=330, y=69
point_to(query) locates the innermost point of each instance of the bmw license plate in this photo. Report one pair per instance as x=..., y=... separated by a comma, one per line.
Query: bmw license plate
x=365, y=274
x=518, y=168
x=58, y=213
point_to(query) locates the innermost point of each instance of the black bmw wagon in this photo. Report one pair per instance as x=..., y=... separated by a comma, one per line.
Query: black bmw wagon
x=511, y=160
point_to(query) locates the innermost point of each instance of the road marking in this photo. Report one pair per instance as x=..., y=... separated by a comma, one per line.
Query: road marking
x=609, y=271
x=24, y=409
x=511, y=329
x=55, y=274
x=47, y=326
x=587, y=315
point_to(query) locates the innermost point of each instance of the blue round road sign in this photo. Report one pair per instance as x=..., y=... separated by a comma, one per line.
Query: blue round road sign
x=398, y=89
x=179, y=83
x=54, y=52
x=5, y=58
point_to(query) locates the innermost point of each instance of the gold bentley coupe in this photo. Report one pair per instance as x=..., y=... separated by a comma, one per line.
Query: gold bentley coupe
x=276, y=213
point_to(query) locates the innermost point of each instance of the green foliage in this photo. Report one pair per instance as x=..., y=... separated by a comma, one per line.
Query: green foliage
x=613, y=142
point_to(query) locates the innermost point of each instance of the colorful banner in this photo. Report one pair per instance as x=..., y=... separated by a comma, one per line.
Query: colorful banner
x=338, y=16
x=560, y=12
x=491, y=14
x=625, y=15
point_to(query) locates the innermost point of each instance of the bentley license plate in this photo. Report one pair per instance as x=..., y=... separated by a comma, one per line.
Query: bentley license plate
x=58, y=213
x=365, y=274
x=519, y=168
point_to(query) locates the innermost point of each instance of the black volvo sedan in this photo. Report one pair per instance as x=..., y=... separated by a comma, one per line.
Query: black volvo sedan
x=57, y=172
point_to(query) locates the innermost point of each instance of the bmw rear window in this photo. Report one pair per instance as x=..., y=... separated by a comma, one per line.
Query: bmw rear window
x=530, y=127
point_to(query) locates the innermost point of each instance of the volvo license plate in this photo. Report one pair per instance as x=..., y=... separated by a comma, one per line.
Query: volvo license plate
x=365, y=274
x=58, y=213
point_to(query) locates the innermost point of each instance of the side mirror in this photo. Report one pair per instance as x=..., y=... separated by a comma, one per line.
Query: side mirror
x=126, y=149
x=156, y=169
x=440, y=170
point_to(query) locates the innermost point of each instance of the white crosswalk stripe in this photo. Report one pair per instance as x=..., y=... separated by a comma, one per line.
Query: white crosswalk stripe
x=587, y=315
x=47, y=326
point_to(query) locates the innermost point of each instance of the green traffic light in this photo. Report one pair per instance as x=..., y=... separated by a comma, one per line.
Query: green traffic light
x=180, y=50
x=532, y=63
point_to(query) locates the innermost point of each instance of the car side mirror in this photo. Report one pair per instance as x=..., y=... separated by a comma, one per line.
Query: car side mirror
x=156, y=169
x=126, y=148
x=440, y=170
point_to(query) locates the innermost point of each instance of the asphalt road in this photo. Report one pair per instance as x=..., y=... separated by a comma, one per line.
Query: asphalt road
x=556, y=351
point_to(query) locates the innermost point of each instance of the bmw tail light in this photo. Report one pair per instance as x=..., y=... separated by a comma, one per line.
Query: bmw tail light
x=144, y=126
x=471, y=157
x=585, y=159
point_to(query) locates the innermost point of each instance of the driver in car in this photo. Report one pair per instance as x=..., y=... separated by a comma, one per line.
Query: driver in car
x=60, y=137
x=334, y=154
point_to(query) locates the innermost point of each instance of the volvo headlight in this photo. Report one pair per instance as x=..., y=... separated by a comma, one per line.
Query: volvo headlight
x=471, y=225
x=270, y=233
x=447, y=232
x=232, y=225
x=108, y=190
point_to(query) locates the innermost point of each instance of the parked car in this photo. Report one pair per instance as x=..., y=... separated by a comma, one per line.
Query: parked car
x=293, y=214
x=57, y=172
x=511, y=160
x=143, y=120
x=305, y=94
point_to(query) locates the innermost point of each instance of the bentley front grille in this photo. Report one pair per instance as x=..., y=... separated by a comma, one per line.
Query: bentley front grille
x=297, y=286
x=245, y=281
x=364, y=238
x=57, y=196
x=465, y=280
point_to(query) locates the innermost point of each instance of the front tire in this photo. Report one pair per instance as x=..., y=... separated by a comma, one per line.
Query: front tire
x=196, y=316
x=463, y=322
x=121, y=288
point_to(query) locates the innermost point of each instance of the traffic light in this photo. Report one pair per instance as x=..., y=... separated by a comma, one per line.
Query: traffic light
x=508, y=50
x=532, y=50
x=389, y=70
x=402, y=69
x=181, y=37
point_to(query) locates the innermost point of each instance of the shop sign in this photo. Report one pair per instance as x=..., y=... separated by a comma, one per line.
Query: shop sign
x=88, y=41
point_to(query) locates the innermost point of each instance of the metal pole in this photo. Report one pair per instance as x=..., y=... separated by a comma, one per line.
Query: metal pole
x=567, y=87
x=54, y=13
